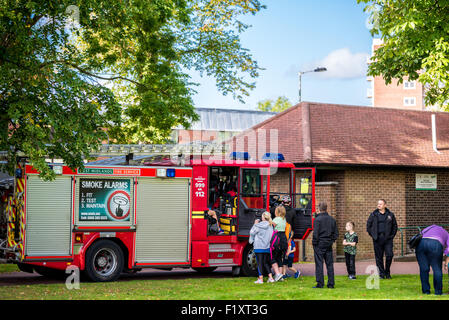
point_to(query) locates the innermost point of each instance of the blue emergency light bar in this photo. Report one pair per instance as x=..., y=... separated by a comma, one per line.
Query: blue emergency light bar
x=171, y=173
x=273, y=157
x=239, y=155
x=165, y=173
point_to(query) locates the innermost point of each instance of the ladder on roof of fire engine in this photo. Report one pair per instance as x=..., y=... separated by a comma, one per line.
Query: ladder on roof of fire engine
x=159, y=149
x=111, y=150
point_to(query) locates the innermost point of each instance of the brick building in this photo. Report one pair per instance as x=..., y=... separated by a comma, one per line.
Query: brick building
x=362, y=154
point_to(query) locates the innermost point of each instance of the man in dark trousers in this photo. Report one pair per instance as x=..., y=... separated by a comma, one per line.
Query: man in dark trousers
x=382, y=227
x=325, y=233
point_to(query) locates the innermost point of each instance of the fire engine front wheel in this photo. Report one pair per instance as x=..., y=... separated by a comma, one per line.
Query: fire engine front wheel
x=104, y=261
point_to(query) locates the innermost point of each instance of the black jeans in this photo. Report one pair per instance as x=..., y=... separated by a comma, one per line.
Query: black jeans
x=383, y=246
x=263, y=263
x=350, y=263
x=324, y=253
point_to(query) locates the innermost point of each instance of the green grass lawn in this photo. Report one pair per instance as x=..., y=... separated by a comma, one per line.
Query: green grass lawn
x=8, y=268
x=401, y=287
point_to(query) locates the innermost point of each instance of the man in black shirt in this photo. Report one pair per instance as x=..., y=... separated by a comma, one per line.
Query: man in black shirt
x=325, y=233
x=289, y=211
x=382, y=227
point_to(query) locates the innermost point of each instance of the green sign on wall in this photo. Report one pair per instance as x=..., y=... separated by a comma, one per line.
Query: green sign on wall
x=425, y=181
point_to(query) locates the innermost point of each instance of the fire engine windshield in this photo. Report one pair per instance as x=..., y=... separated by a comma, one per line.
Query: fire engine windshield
x=222, y=184
x=251, y=188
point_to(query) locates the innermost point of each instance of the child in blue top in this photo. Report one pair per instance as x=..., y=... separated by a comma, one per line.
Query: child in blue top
x=288, y=259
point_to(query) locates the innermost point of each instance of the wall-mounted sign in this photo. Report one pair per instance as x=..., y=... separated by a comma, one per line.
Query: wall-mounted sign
x=104, y=199
x=425, y=181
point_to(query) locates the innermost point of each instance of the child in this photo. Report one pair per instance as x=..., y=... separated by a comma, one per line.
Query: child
x=260, y=237
x=277, y=255
x=350, y=249
x=288, y=260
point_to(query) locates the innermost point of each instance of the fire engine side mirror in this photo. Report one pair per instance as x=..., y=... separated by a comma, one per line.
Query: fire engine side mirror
x=19, y=173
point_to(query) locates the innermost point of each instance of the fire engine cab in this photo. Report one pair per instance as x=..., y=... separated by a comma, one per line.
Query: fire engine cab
x=106, y=220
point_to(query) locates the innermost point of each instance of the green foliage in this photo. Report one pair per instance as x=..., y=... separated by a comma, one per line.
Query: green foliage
x=281, y=104
x=415, y=38
x=75, y=73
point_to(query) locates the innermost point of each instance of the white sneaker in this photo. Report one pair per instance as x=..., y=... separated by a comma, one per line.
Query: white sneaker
x=258, y=281
x=278, y=277
x=270, y=280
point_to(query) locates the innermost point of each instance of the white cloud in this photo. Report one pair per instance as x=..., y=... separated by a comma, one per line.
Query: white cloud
x=340, y=64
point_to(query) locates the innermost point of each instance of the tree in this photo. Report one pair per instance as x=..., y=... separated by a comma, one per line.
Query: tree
x=281, y=104
x=75, y=73
x=415, y=38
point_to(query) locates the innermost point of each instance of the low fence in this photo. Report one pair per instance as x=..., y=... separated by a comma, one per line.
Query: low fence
x=407, y=233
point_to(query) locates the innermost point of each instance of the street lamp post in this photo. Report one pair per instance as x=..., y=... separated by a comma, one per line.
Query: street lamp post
x=320, y=69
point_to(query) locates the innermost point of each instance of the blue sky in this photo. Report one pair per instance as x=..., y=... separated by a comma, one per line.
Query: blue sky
x=297, y=35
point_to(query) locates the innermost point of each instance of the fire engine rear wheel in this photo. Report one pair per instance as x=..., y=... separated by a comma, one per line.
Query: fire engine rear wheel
x=249, y=263
x=104, y=261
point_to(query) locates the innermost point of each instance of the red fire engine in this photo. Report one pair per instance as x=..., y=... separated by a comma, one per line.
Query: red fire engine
x=106, y=220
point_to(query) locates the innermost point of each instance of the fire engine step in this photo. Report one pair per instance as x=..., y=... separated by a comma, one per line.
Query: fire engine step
x=221, y=250
x=214, y=247
x=221, y=263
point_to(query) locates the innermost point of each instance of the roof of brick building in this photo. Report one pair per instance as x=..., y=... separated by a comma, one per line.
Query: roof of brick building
x=341, y=134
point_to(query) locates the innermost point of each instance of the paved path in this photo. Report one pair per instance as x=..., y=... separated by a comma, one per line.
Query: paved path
x=308, y=269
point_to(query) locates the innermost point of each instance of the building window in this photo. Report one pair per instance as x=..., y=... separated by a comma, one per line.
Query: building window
x=409, y=101
x=409, y=85
x=174, y=137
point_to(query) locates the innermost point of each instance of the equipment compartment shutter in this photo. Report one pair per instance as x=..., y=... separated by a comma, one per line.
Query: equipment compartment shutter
x=162, y=220
x=48, y=213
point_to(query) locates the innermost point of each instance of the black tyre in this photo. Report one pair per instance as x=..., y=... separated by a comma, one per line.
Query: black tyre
x=249, y=263
x=104, y=261
x=236, y=271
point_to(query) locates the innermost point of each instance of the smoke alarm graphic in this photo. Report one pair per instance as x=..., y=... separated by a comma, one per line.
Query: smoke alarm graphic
x=119, y=205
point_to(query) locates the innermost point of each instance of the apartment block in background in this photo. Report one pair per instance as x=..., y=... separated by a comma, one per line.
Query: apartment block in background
x=408, y=95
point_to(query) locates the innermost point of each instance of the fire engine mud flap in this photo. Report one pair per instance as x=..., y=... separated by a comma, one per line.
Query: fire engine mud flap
x=25, y=267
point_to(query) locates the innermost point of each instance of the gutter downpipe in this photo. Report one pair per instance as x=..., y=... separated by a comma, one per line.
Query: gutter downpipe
x=434, y=134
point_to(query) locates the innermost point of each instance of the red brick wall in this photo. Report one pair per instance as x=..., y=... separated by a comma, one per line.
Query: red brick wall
x=354, y=193
x=363, y=188
x=359, y=189
x=356, y=196
x=427, y=207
